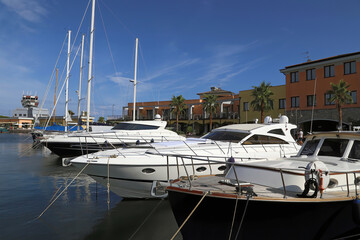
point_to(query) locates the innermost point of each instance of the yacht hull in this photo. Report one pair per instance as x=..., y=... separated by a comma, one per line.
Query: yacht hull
x=135, y=181
x=262, y=219
x=68, y=149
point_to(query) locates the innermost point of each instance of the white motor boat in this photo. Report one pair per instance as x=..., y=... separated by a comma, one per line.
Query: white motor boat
x=313, y=195
x=132, y=172
x=336, y=153
x=124, y=134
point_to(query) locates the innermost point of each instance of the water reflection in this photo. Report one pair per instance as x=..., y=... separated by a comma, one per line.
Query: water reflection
x=137, y=219
x=31, y=177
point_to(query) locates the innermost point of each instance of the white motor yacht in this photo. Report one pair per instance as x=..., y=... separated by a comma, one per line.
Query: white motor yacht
x=124, y=134
x=132, y=172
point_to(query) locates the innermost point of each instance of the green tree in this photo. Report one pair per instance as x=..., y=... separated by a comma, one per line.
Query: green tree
x=262, y=99
x=101, y=120
x=210, y=105
x=177, y=106
x=340, y=95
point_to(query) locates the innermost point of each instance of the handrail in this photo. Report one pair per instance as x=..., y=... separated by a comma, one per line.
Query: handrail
x=281, y=171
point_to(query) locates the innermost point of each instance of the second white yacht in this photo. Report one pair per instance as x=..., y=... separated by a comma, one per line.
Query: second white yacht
x=132, y=173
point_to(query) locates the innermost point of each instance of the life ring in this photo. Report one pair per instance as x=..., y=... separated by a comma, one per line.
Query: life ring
x=318, y=171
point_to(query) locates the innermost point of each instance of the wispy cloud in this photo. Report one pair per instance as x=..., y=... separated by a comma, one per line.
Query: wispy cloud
x=29, y=10
x=173, y=68
x=226, y=62
x=119, y=79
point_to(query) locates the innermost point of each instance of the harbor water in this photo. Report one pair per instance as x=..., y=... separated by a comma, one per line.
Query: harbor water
x=31, y=178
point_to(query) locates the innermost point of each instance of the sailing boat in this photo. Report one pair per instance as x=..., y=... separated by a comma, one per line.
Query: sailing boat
x=122, y=135
x=38, y=132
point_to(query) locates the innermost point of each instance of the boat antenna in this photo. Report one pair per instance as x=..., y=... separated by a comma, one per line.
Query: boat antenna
x=90, y=64
x=135, y=76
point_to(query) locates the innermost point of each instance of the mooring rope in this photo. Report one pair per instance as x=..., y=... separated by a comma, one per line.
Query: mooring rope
x=233, y=220
x=243, y=216
x=152, y=211
x=62, y=191
x=350, y=236
x=182, y=225
x=65, y=182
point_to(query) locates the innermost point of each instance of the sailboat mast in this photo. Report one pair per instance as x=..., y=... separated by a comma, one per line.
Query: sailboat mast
x=67, y=82
x=80, y=77
x=90, y=64
x=135, y=76
x=57, y=73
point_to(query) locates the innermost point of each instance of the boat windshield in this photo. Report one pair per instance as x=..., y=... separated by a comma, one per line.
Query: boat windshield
x=263, y=139
x=333, y=147
x=310, y=147
x=227, y=136
x=355, y=150
x=133, y=126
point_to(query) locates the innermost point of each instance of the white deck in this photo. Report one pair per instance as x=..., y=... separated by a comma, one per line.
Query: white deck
x=212, y=185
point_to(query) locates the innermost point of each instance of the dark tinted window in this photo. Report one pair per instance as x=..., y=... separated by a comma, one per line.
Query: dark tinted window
x=261, y=139
x=278, y=131
x=333, y=147
x=133, y=126
x=226, y=136
x=355, y=150
x=310, y=147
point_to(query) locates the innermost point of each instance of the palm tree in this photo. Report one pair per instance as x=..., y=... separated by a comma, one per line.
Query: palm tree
x=262, y=98
x=210, y=104
x=101, y=120
x=177, y=106
x=340, y=95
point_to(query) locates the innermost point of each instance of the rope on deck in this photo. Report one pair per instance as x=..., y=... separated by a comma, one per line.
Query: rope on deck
x=182, y=225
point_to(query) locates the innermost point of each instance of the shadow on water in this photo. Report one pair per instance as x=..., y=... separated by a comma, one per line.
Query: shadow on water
x=137, y=219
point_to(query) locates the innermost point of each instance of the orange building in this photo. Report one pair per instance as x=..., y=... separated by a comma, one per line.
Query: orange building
x=16, y=122
x=306, y=91
x=194, y=116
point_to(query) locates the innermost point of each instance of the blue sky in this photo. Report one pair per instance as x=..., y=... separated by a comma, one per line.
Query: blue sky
x=186, y=46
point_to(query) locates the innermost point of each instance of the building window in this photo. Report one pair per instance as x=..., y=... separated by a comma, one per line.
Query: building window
x=350, y=67
x=311, y=100
x=294, y=102
x=311, y=74
x=282, y=103
x=329, y=71
x=271, y=104
x=353, y=96
x=246, y=106
x=294, y=77
x=327, y=99
x=15, y=114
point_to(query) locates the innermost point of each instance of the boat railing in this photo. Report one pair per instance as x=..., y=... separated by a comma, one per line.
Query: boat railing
x=231, y=166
